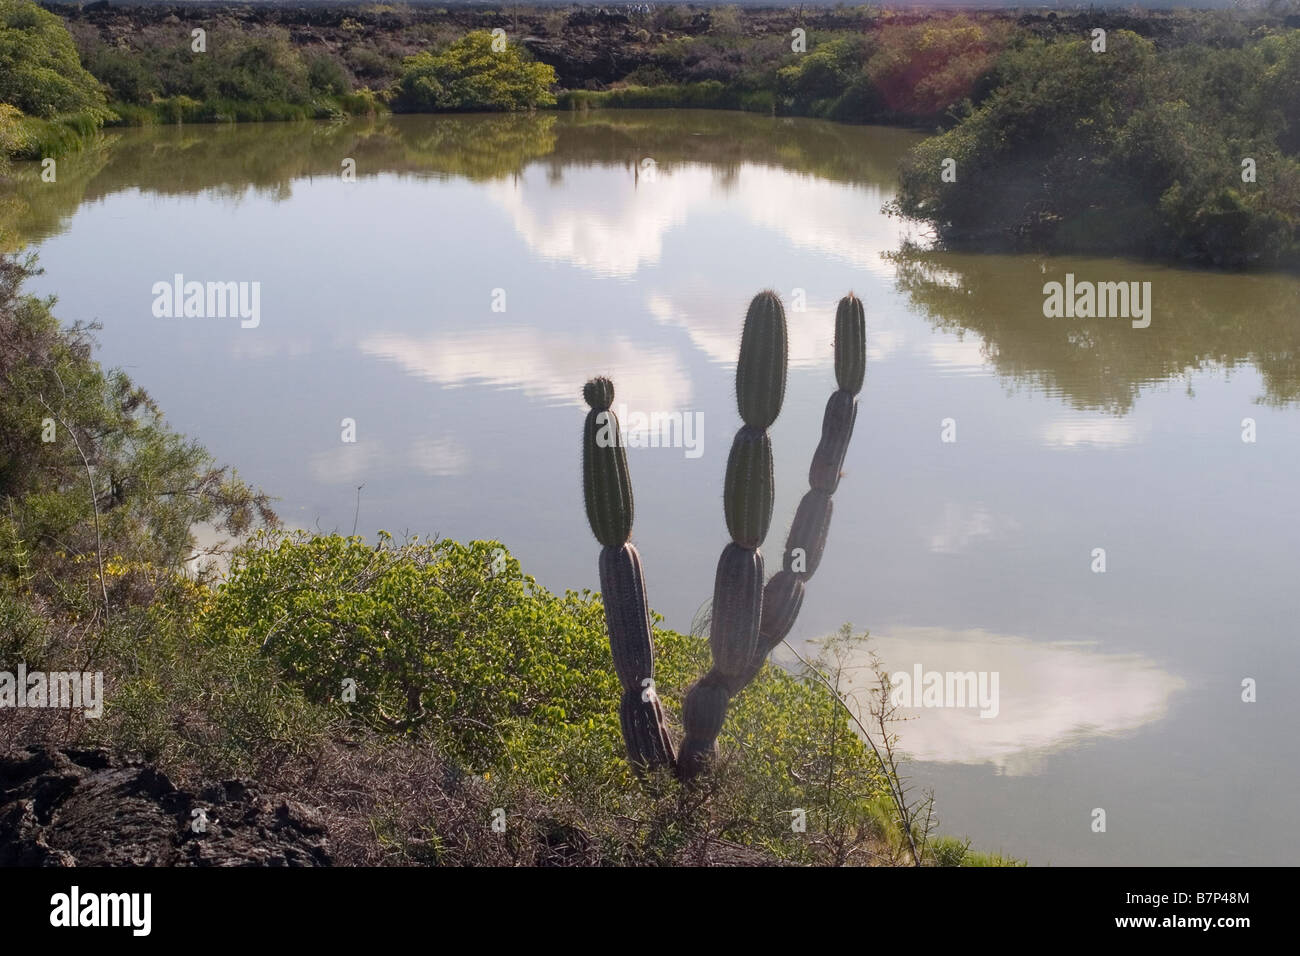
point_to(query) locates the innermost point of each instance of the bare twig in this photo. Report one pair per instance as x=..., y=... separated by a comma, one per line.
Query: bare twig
x=94, y=496
x=889, y=765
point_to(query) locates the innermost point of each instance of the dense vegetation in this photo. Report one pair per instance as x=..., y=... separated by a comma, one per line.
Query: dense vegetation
x=1126, y=151
x=261, y=73
x=238, y=77
x=46, y=98
x=355, y=670
x=881, y=70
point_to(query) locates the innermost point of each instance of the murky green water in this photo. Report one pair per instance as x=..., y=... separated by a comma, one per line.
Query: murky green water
x=630, y=244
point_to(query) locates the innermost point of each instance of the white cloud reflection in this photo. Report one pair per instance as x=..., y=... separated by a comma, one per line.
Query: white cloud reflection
x=1051, y=696
x=545, y=366
x=347, y=464
x=601, y=221
x=438, y=457
x=965, y=355
x=605, y=223
x=1100, y=430
x=350, y=463
x=957, y=528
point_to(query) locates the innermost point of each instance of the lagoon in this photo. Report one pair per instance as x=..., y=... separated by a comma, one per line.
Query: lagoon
x=452, y=298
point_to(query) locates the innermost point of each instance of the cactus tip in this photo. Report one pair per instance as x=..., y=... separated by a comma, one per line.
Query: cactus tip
x=599, y=393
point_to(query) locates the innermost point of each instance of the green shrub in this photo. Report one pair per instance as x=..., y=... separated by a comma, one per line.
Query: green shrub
x=949, y=851
x=923, y=70
x=214, y=709
x=469, y=75
x=40, y=72
x=125, y=74
x=39, y=138
x=13, y=138
x=455, y=643
x=429, y=633
x=362, y=102
x=326, y=75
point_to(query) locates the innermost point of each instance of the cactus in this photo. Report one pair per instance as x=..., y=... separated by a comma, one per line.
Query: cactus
x=783, y=595
x=850, y=344
x=608, y=491
x=764, y=354
x=782, y=599
x=645, y=732
x=749, y=487
x=748, y=491
x=605, y=481
x=737, y=609
x=703, y=712
x=598, y=393
x=749, y=618
x=627, y=615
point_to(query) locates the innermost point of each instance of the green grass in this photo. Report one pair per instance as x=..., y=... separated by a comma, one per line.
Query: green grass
x=39, y=138
x=184, y=109
x=706, y=95
x=950, y=851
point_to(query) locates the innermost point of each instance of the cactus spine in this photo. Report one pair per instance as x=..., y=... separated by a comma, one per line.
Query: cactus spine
x=607, y=488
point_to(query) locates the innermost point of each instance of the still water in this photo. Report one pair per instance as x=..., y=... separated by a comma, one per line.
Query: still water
x=453, y=298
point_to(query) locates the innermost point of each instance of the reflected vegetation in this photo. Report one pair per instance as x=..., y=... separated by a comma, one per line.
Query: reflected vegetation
x=1200, y=319
x=268, y=157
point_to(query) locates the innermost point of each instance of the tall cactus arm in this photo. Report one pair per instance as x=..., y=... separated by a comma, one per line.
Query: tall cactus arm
x=607, y=488
x=748, y=493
